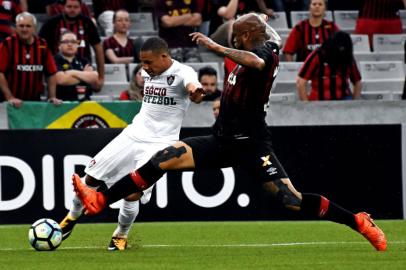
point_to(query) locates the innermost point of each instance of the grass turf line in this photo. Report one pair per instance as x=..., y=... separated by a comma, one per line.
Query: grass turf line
x=211, y=245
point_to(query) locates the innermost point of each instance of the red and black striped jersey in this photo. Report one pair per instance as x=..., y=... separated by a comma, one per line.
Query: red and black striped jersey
x=328, y=83
x=82, y=26
x=99, y=6
x=24, y=66
x=245, y=94
x=8, y=11
x=127, y=51
x=304, y=38
x=380, y=9
x=57, y=8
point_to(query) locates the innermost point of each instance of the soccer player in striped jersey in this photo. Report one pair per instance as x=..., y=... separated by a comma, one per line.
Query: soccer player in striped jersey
x=330, y=68
x=308, y=35
x=168, y=89
x=119, y=48
x=240, y=138
x=379, y=17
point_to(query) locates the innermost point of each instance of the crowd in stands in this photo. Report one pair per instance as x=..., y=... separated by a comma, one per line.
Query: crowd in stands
x=74, y=41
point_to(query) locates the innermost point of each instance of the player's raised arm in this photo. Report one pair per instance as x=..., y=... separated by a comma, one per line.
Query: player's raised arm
x=241, y=57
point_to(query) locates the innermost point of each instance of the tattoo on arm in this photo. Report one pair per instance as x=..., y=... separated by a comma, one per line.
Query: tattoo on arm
x=235, y=54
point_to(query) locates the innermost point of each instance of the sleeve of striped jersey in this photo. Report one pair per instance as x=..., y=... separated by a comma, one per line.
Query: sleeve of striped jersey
x=355, y=75
x=5, y=58
x=50, y=66
x=291, y=44
x=309, y=67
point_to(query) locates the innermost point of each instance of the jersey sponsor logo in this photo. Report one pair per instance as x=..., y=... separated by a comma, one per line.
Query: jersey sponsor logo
x=157, y=91
x=30, y=68
x=90, y=121
x=170, y=79
x=159, y=100
x=313, y=47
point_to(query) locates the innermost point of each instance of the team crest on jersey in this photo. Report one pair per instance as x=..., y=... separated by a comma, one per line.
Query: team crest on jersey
x=170, y=79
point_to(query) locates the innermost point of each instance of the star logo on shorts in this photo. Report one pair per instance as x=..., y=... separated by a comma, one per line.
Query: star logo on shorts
x=266, y=161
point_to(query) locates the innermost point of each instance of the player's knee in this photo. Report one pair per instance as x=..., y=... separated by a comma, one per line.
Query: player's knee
x=133, y=197
x=94, y=183
x=167, y=154
x=286, y=196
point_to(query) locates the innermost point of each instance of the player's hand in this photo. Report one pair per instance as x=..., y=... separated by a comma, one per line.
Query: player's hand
x=88, y=68
x=15, y=102
x=197, y=95
x=55, y=101
x=203, y=40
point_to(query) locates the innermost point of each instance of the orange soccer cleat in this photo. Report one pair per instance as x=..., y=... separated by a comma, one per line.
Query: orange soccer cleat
x=370, y=231
x=93, y=202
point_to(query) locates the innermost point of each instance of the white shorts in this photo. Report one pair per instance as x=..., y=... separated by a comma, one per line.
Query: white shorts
x=122, y=155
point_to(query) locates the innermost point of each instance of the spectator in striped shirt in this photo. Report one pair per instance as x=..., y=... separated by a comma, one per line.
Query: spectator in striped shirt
x=57, y=8
x=379, y=17
x=329, y=69
x=8, y=11
x=119, y=48
x=85, y=30
x=308, y=35
x=25, y=60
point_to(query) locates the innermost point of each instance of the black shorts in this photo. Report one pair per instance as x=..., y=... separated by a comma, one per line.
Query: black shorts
x=254, y=155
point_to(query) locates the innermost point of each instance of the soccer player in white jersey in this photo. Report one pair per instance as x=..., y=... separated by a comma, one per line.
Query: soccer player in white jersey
x=169, y=87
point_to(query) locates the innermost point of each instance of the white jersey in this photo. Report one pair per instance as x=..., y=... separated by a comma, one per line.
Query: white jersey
x=164, y=104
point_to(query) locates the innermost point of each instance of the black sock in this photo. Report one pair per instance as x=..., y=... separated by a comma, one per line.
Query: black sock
x=121, y=189
x=317, y=206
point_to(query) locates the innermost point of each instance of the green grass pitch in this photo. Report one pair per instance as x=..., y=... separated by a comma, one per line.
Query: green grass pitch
x=210, y=245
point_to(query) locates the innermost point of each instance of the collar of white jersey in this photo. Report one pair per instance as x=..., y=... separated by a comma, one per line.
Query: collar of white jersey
x=169, y=71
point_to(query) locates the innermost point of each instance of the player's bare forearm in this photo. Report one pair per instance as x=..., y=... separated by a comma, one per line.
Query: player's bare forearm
x=242, y=57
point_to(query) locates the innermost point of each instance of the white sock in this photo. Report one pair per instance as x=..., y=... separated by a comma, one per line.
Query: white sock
x=77, y=207
x=76, y=210
x=128, y=212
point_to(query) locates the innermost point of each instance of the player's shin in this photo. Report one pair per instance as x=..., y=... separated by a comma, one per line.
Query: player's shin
x=317, y=206
x=135, y=182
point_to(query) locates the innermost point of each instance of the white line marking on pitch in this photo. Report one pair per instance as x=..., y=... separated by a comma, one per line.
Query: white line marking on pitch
x=219, y=245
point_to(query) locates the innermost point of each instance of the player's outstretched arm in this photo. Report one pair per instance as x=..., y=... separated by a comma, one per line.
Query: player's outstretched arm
x=242, y=57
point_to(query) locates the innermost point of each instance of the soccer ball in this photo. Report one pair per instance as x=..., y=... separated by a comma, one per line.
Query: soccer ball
x=45, y=234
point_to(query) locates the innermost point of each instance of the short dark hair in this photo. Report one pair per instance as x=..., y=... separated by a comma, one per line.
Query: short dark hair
x=155, y=44
x=207, y=70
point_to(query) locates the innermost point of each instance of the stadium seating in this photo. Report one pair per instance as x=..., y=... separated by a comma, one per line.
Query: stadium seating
x=346, y=19
x=115, y=73
x=382, y=76
x=402, y=14
x=389, y=42
x=142, y=23
x=360, y=43
x=285, y=81
x=279, y=23
x=131, y=69
x=297, y=16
